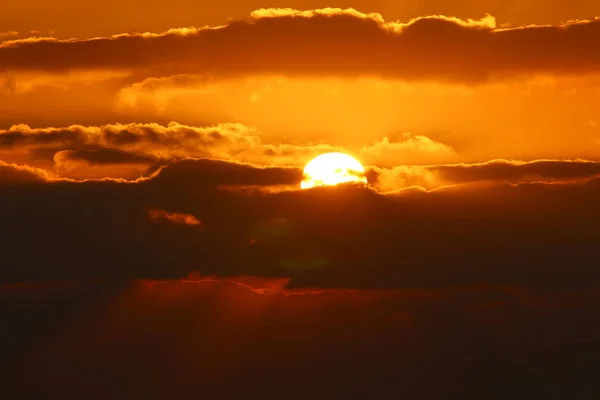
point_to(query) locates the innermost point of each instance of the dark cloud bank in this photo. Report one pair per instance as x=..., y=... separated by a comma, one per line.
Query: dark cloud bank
x=543, y=234
x=465, y=293
x=159, y=340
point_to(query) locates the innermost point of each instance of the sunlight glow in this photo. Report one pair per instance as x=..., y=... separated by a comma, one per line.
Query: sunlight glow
x=332, y=169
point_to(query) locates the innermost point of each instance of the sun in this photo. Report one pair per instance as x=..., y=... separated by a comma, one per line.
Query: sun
x=332, y=169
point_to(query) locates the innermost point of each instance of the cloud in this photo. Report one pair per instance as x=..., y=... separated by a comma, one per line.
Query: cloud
x=149, y=143
x=9, y=34
x=316, y=42
x=176, y=218
x=153, y=145
x=12, y=174
x=76, y=148
x=539, y=235
x=518, y=171
x=484, y=264
x=174, y=326
x=495, y=171
x=407, y=149
x=101, y=156
x=136, y=149
x=189, y=173
x=186, y=139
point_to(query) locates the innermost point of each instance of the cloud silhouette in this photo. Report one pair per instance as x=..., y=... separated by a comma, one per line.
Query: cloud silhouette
x=543, y=235
x=153, y=144
x=317, y=42
x=508, y=171
x=495, y=339
x=12, y=174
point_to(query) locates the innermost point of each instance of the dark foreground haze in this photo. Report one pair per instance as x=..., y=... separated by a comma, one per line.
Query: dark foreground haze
x=223, y=339
x=119, y=289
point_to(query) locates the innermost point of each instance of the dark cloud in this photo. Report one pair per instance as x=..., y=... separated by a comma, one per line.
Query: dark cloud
x=11, y=174
x=22, y=135
x=190, y=173
x=330, y=42
x=496, y=171
x=150, y=143
x=540, y=235
x=103, y=156
x=511, y=171
x=175, y=218
x=164, y=339
x=182, y=137
x=154, y=144
x=157, y=287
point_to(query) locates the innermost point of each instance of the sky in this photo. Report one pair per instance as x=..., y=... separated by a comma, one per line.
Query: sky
x=158, y=244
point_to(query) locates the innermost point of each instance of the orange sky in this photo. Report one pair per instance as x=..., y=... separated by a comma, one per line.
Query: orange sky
x=156, y=242
x=391, y=90
x=107, y=17
x=427, y=96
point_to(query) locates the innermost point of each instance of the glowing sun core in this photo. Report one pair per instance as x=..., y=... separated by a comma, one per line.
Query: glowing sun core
x=332, y=169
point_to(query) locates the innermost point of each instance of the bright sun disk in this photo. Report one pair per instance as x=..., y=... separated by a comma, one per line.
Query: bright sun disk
x=332, y=169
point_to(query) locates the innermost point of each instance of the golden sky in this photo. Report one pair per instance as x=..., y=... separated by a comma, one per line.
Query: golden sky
x=493, y=102
x=281, y=85
x=90, y=18
x=151, y=154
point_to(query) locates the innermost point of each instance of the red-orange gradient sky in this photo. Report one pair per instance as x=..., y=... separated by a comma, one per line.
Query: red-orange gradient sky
x=156, y=242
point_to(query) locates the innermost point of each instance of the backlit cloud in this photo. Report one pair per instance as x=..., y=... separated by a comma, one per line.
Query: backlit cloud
x=509, y=234
x=309, y=43
x=12, y=174
x=176, y=218
x=496, y=171
x=154, y=144
x=407, y=149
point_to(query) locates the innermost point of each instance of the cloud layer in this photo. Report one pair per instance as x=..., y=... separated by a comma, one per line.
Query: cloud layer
x=290, y=42
x=495, y=171
x=151, y=145
x=170, y=337
x=153, y=259
x=531, y=234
